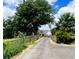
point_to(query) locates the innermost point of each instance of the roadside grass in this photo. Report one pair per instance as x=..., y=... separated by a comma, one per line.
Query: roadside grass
x=13, y=46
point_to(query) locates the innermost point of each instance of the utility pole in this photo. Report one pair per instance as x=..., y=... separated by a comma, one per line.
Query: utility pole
x=49, y=26
x=50, y=29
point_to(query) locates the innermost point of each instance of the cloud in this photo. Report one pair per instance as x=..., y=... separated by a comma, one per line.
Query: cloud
x=12, y=3
x=69, y=8
x=9, y=2
x=9, y=7
x=8, y=12
x=51, y=1
x=44, y=27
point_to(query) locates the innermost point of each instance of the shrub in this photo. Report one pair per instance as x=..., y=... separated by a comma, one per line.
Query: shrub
x=64, y=37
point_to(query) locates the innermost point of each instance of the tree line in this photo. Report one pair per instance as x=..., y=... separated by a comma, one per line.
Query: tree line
x=29, y=15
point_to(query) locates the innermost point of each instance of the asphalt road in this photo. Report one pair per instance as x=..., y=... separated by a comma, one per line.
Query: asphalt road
x=45, y=50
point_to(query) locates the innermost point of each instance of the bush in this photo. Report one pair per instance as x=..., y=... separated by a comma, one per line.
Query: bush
x=64, y=37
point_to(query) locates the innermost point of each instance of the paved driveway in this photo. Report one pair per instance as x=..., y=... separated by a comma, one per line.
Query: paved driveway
x=45, y=50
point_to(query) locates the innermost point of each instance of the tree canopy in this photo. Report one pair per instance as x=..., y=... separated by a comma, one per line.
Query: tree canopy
x=67, y=20
x=31, y=14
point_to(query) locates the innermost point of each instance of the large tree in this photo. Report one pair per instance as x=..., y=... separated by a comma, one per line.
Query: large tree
x=31, y=14
x=65, y=28
x=7, y=28
x=67, y=20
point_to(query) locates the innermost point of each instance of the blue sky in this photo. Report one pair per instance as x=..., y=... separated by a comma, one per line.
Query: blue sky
x=60, y=3
x=11, y=6
x=56, y=5
x=60, y=6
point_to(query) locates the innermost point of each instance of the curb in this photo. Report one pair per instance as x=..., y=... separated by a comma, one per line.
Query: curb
x=52, y=42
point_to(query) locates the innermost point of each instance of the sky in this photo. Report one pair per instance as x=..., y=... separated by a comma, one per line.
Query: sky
x=59, y=6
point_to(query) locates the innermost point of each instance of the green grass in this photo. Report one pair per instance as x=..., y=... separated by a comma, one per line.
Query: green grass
x=13, y=46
